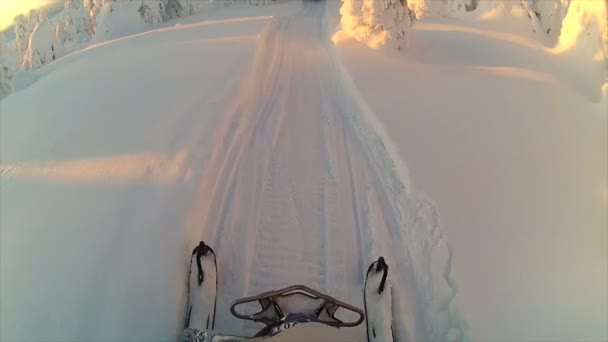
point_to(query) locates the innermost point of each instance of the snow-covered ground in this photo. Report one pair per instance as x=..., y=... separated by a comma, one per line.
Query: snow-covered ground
x=101, y=158
x=510, y=142
x=138, y=147
x=289, y=154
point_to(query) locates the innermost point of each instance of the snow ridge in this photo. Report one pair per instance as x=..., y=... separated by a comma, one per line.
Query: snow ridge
x=415, y=221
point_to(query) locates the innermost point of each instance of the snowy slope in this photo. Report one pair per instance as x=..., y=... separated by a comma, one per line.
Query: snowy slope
x=100, y=159
x=510, y=141
x=115, y=176
x=248, y=128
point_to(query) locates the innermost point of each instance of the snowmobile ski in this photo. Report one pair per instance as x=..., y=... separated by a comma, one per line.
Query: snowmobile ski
x=202, y=289
x=296, y=309
x=377, y=301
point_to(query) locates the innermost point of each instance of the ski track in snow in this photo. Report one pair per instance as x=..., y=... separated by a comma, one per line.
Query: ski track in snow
x=300, y=189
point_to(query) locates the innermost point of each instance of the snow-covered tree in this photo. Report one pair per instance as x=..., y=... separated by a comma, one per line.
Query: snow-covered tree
x=6, y=77
x=77, y=26
x=43, y=45
x=546, y=16
x=462, y=5
x=23, y=30
x=424, y=8
x=22, y=34
x=73, y=4
x=377, y=23
x=186, y=8
x=586, y=25
x=24, y=26
x=153, y=11
x=6, y=81
x=157, y=11
x=174, y=9
x=74, y=29
x=94, y=7
x=3, y=44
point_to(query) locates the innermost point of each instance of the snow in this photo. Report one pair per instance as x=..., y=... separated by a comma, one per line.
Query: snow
x=98, y=174
x=379, y=307
x=509, y=140
x=474, y=162
x=300, y=189
x=377, y=23
x=6, y=74
x=202, y=292
x=585, y=27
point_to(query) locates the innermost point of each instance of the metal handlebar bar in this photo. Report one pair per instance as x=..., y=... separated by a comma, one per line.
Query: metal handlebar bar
x=268, y=302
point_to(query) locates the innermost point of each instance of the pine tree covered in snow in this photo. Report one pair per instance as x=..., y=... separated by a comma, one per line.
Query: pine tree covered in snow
x=462, y=5
x=157, y=11
x=43, y=45
x=153, y=12
x=6, y=77
x=586, y=24
x=546, y=16
x=257, y=2
x=424, y=8
x=181, y=8
x=6, y=81
x=24, y=25
x=377, y=23
x=77, y=24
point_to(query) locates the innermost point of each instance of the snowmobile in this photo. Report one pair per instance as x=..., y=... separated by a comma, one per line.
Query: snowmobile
x=294, y=313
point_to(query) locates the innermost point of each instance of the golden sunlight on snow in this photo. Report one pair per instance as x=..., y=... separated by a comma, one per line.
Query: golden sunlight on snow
x=9, y=9
x=151, y=167
x=584, y=15
x=506, y=8
x=520, y=73
x=506, y=37
x=339, y=37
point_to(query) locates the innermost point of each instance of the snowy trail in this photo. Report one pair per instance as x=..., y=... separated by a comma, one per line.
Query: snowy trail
x=287, y=177
x=296, y=188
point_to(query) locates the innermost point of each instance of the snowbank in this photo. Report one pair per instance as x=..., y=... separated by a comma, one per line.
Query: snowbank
x=513, y=153
x=563, y=24
x=377, y=23
x=576, y=30
x=100, y=175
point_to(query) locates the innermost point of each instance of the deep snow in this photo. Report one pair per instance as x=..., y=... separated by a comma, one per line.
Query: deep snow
x=100, y=160
x=510, y=141
x=276, y=168
x=246, y=127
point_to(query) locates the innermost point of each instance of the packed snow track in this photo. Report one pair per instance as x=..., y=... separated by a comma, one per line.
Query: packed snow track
x=300, y=189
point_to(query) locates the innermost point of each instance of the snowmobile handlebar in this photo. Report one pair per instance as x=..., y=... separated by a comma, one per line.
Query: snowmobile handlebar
x=271, y=312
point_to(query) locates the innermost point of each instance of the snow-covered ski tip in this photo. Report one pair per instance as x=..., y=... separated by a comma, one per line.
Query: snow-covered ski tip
x=294, y=313
x=378, y=302
x=202, y=289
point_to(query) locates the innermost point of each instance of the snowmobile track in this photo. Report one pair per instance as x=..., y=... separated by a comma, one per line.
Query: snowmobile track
x=298, y=189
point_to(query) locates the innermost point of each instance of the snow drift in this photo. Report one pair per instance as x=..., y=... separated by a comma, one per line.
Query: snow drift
x=509, y=140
